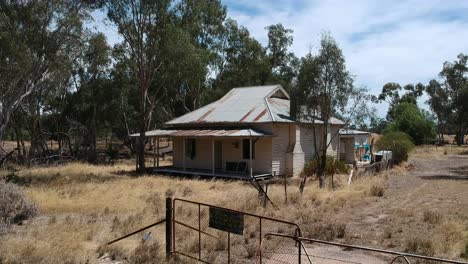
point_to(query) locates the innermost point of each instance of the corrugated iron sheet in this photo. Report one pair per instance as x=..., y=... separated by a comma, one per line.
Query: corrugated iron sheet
x=246, y=104
x=204, y=133
x=257, y=104
x=280, y=111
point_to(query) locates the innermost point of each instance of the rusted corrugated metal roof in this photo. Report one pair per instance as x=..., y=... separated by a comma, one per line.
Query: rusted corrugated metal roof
x=240, y=105
x=204, y=133
x=256, y=104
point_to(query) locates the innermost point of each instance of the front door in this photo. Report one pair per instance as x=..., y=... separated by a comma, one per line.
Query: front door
x=218, y=155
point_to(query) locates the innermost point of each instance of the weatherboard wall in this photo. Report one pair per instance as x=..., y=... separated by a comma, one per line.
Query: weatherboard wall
x=231, y=152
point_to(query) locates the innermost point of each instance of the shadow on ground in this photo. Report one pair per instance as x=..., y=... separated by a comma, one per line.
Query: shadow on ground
x=459, y=173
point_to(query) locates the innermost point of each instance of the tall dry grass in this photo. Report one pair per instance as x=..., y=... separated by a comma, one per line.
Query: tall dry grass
x=83, y=206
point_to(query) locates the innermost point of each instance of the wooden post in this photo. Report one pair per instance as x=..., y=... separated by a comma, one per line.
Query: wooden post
x=168, y=227
x=136, y=154
x=157, y=156
x=183, y=152
x=251, y=169
x=213, y=156
x=154, y=153
x=285, y=189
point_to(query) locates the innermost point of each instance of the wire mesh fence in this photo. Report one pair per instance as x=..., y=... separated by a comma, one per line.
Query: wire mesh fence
x=195, y=239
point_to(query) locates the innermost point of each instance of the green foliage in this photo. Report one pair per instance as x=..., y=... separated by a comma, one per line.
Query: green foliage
x=38, y=42
x=410, y=119
x=391, y=94
x=448, y=98
x=332, y=166
x=398, y=142
x=318, y=93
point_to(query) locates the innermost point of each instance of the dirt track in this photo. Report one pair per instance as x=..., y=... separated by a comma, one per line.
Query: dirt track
x=438, y=183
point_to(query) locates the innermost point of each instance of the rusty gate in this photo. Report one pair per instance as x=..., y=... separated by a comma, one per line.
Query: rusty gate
x=195, y=236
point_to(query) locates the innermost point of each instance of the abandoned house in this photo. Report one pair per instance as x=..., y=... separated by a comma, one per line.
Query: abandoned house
x=248, y=132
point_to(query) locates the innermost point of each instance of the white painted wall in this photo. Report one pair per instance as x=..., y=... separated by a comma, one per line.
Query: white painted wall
x=231, y=151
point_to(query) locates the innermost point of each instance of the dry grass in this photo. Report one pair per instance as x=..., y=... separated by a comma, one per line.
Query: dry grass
x=438, y=152
x=82, y=206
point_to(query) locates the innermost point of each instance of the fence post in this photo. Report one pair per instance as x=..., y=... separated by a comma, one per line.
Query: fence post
x=168, y=226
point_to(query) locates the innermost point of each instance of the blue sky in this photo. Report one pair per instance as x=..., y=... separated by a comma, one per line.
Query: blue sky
x=383, y=41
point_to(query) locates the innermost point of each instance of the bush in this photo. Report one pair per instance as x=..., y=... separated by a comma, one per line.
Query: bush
x=413, y=121
x=332, y=166
x=326, y=231
x=420, y=246
x=398, y=142
x=432, y=217
x=147, y=253
x=377, y=190
x=14, y=206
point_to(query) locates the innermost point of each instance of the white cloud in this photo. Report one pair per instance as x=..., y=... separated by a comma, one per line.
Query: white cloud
x=383, y=41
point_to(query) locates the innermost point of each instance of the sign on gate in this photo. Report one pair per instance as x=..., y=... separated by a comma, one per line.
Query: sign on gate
x=226, y=220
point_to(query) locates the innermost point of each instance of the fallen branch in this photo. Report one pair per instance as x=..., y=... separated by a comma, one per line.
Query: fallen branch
x=6, y=156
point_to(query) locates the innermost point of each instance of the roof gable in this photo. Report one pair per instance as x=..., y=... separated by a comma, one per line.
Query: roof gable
x=239, y=105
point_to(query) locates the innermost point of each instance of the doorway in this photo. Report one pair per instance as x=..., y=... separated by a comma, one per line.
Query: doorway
x=218, y=155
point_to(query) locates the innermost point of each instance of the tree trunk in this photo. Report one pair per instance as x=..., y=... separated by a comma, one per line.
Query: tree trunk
x=323, y=157
x=141, y=139
x=92, y=155
x=460, y=135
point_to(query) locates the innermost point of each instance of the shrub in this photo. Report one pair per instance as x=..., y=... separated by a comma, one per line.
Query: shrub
x=332, y=166
x=464, y=254
x=377, y=190
x=416, y=123
x=432, y=217
x=326, y=231
x=147, y=253
x=398, y=142
x=14, y=206
x=421, y=246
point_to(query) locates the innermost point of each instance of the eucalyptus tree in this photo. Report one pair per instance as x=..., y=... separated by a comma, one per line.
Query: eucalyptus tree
x=449, y=97
x=284, y=64
x=392, y=94
x=324, y=87
x=142, y=23
x=87, y=103
x=38, y=40
x=243, y=60
x=192, y=53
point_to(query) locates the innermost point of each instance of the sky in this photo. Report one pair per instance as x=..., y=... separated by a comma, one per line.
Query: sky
x=383, y=41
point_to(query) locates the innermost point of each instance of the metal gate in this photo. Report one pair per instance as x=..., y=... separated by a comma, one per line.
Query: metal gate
x=195, y=237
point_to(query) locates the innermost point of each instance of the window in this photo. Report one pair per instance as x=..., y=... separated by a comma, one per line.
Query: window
x=190, y=148
x=246, y=149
